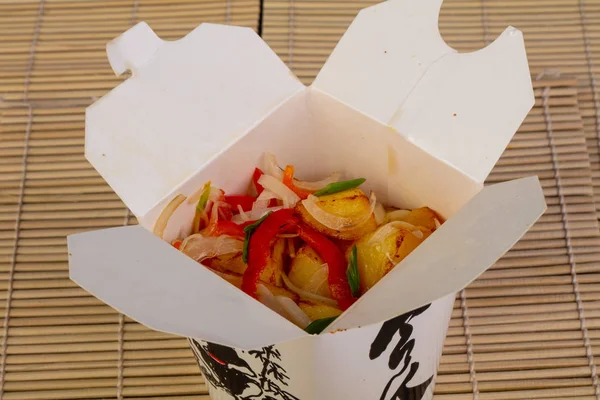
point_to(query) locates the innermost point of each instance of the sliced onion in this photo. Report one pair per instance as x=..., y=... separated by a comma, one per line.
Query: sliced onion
x=396, y=215
x=242, y=213
x=214, y=216
x=316, y=185
x=261, y=203
x=437, y=223
x=239, y=219
x=418, y=234
x=268, y=299
x=333, y=221
x=163, y=218
x=288, y=235
x=215, y=194
x=200, y=247
x=307, y=295
x=388, y=229
x=379, y=214
x=271, y=167
x=318, y=279
x=291, y=248
x=280, y=190
x=294, y=313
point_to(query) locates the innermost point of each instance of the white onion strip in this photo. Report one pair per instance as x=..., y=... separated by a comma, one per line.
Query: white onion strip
x=396, y=215
x=265, y=296
x=316, y=185
x=318, y=279
x=253, y=215
x=390, y=228
x=271, y=167
x=307, y=295
x=282, y=192
x=161, y=223
x=294, y=313
x=242, y=213
x=379, y=214
x=200, y=247
x=333, y=221
x=215, y=194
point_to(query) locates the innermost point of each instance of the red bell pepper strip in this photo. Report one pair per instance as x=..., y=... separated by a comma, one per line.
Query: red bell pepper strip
x=333, y=256
x=255, y=177
x=288, y=180
x=261, y=244
x=244, y=201
x=228, y=228
x=177, y=243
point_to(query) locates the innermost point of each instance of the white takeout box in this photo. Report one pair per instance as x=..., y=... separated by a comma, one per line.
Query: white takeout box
x=393, y=104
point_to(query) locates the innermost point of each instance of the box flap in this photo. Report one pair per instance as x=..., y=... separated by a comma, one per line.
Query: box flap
x=383, y=54
x=185, y=102
x=145, y=278
x=393, y=65
x=454, y=255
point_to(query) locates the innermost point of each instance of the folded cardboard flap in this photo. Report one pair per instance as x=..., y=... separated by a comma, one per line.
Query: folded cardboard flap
x=393, y=65
x=383, y=54
x=467, y=107
x=454, y=255
x=147, y=279
x=186, y=101
x=133, y=48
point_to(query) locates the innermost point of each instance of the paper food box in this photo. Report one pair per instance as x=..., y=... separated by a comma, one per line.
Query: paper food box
x=393, y=104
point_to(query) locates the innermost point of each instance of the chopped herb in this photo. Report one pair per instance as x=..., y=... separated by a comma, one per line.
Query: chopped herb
x=340, y=187
x=249, y=231
x=352, y=273
x=317, y=326
x=203, y=201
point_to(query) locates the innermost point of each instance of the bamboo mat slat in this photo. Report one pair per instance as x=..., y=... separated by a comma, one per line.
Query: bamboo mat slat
x=56, y=341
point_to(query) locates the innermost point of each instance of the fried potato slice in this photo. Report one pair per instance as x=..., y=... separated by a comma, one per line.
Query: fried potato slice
x=319, y=311
x=423, y=216
x=377, y=259
x=351, y=203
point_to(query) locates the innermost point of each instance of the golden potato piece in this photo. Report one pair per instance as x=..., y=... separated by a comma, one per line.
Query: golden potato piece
x=308, y=273
x=350, y=203
x=319, y=311
x=423, y=216
x=377, y=259
x=236, y=280
x=235, y=263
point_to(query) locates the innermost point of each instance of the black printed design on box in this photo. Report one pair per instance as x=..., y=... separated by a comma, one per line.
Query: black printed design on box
x=395, y=390
x=224, y=369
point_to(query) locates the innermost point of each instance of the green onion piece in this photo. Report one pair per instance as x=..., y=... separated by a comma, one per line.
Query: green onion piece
x=249, y=231
x=339, y=187
x=317, y=326
x=352, y=273
x=203, y=198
